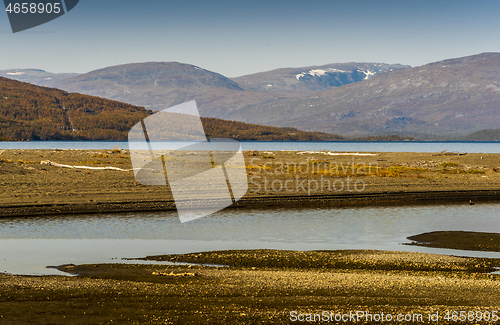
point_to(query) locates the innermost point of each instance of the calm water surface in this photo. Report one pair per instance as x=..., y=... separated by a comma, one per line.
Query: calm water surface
x=376, y=146
x=28, y=245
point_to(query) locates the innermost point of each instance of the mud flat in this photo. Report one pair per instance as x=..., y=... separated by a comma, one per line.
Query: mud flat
x=464, y=240
x=34, y=183
x=257, y=286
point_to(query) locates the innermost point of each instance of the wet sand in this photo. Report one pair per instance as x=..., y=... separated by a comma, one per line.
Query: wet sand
x=275, y=179
x=464, y=240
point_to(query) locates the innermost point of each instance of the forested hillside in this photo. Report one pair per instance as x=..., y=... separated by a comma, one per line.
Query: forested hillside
x=217, y=128
x=37, y=113
x=484, y=135
x=29, y=112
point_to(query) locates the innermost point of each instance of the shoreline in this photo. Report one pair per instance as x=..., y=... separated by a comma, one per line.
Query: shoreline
x=261, y=286
x=31, y=187
x=354, y=199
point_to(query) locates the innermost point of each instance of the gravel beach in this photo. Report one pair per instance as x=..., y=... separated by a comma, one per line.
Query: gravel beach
x=34, y=183
x=280, y=286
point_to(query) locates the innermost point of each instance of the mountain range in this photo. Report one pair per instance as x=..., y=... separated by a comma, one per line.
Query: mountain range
x=446, y=99
x=450, y=98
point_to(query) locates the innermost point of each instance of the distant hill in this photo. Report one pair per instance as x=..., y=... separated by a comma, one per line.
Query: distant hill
x=158, y=85
x=450, y=98
x=314, y=78
x=392, y=137
x=29, y=112
x=154, y=85
x=217, y=128
x=36, y=76
x=484, y=135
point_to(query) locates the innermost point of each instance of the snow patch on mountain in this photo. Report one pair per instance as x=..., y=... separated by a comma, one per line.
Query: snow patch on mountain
x=318, y=72
x=368, y=73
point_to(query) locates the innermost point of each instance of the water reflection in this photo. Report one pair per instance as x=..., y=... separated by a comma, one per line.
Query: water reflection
x=27, y=245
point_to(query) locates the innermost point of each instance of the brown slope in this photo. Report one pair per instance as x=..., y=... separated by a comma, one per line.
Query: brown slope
x=217, y=128
x=38, y=113
x=29, y=112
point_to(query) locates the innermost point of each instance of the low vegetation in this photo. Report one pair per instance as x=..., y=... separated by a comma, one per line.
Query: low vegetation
x=217, y=128
x=449, y=164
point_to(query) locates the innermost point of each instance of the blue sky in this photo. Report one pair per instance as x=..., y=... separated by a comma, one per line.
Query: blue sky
x=240, y=37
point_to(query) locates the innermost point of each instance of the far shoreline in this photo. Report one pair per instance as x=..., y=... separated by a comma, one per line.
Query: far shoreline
x=33, y=186
x=250, y=140
x=354, y=199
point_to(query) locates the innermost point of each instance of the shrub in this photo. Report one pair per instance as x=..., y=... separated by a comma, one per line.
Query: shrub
x=449, y=164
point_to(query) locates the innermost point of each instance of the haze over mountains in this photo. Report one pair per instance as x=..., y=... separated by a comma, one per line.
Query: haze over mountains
x=450, y=98
x=36, y=76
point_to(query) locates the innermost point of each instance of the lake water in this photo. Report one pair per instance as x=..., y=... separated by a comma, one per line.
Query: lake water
x=376, y=146
x=29, y=245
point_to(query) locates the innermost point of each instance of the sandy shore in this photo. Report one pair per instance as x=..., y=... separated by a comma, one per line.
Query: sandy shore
x=262, y=287
x=275, y=178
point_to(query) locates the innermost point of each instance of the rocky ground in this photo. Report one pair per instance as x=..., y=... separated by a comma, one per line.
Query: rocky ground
x=258, y=287
x=31, y=185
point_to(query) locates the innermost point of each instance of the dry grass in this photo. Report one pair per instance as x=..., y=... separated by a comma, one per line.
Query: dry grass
x=449, y=164
x=101, y=155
